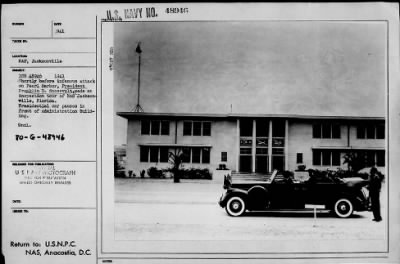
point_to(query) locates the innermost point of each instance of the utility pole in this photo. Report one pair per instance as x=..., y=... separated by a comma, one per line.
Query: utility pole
x=138, y=108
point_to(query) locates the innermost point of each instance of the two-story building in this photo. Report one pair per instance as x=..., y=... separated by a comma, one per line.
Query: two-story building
x=252, y=143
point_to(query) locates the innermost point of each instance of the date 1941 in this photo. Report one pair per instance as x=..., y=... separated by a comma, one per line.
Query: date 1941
x=54, y=137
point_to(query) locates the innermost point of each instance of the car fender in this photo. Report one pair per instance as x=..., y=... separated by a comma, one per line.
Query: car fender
x=233, y=192
x=348, y=195
x=257, y=197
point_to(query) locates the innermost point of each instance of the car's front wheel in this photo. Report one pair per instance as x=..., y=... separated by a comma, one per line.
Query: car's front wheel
x=235, y=206
x=343, y=208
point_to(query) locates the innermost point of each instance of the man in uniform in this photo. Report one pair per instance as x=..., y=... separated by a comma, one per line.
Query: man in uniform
x=375, y=184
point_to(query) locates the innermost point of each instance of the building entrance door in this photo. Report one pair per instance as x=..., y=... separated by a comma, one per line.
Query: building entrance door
x=278, y=163
x=261, y=164
x=245, y=163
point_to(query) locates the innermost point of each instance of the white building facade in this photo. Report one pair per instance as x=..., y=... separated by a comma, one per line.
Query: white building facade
x=252, y=143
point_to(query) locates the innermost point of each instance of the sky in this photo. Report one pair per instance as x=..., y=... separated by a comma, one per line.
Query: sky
x=253, y=67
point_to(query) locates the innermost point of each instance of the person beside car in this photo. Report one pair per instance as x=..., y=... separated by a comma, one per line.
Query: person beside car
x=375, y=185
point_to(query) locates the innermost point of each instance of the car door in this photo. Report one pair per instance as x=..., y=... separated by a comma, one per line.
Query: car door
x=285, y=195
x=318, y=193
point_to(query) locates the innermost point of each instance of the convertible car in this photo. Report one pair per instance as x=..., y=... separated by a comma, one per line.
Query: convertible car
x=340, y=196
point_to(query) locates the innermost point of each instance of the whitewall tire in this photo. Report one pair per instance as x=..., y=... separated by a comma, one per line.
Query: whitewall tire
x=235, y=206
x=343, y=208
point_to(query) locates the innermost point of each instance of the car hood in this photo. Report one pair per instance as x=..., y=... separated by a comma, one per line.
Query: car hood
x=355, y=181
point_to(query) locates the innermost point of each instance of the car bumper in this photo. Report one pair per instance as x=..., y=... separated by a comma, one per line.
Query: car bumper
x=362, y=205
x=222, y=200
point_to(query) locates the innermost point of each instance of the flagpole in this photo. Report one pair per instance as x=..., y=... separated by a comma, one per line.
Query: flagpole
x=138, y=108
x=138, y=98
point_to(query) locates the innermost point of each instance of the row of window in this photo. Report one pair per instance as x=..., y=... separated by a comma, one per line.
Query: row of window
x=320, y=130
x=161, y=154
x=262, y=128
x=196, y=155
x=196, y=128
x=364, y=131
x=326, y=130
x=154, y=154
x=326, y=157
x=202, y=155
x=333, y=157
x=190, y=128
x=155, y=127
x=371, y=131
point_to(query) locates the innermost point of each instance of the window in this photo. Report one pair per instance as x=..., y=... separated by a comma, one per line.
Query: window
x=145, y=129
x=316, y=157
x=144, y=154
x=164, y=128
x=380, y=131
x=278, y=128
x=246, y=128
x=196, y=128
x=371, y=131
x=196, y=155
x=164, y=157
x=262, y=127
x=187, y=128
x=153, y=154
x=326, y=130
x=326, y=158
x=245, y=151
x=261, y=151
x=335, y=131
x=186, y=155
x=335, y=158
x=278, y=151
x=316, y=131
x=153, y=127
x=380, y=158
x=299, y=158
x=205, y=156
x=224, y=156
x=370, y=157
x=360, y=131
x=206, y=128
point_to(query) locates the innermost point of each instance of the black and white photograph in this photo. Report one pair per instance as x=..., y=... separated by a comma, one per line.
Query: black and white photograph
x=252, y=131
x=177, y=133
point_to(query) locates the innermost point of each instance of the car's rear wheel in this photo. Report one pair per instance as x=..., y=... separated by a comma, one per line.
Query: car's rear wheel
x=343, y=208
x=235, y=206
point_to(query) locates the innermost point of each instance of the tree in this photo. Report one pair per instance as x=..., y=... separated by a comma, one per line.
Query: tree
x=355, y=161
x=176, y=160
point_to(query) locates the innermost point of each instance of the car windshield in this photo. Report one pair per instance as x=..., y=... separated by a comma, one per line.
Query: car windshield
x=273, y=176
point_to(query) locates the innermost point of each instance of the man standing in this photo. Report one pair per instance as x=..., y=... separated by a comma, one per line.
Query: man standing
x=375, y=184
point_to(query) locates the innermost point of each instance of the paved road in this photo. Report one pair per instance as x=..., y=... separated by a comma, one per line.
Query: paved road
x=162, y=210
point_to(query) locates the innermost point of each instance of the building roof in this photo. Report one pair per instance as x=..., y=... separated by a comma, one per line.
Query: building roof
x=140, y=115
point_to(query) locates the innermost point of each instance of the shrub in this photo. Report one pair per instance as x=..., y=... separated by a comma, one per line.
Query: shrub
x=198, y=174
x=155, y=173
